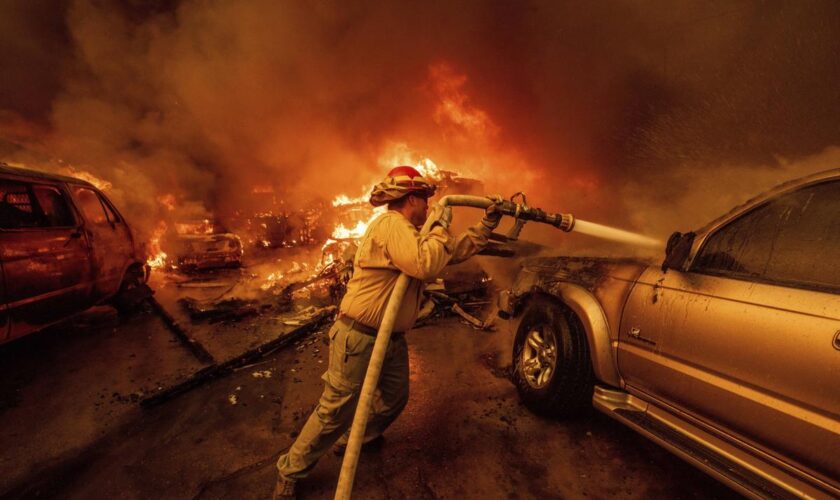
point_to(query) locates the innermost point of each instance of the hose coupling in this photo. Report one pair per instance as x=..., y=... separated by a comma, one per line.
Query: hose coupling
x=567, y=222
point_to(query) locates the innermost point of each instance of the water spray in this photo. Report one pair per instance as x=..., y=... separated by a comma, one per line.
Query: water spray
x=515, y=207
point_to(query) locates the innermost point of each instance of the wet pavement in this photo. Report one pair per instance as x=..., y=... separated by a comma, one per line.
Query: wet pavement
x=71, y=426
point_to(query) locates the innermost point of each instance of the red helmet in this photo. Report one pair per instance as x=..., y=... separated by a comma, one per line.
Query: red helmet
x=401, y=181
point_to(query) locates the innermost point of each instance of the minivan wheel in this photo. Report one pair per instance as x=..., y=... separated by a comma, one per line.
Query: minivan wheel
x=133, y=291
x=552, y=368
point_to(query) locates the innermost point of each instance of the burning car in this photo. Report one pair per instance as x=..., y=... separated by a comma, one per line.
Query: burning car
x=205, y=244
x=63, y=248
x=728, y=354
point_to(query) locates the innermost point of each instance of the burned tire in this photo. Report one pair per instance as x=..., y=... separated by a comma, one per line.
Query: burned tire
x=552, y=369
x=132, y=293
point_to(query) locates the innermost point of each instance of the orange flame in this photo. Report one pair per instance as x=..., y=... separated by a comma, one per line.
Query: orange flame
x=84, y=175
x=157, y=257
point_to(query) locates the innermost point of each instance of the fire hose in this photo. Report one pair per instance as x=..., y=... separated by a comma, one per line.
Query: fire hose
x=521, y=213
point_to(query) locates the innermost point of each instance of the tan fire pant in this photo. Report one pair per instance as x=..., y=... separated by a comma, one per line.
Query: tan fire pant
x=350, y=352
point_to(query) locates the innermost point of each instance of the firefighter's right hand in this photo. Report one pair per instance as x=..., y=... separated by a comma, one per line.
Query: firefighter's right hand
x=441, y=216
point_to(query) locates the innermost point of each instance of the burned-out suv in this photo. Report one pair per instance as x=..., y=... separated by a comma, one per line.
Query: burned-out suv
x=728, y=354
x=63, y=248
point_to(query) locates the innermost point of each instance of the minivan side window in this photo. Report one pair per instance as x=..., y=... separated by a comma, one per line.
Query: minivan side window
x=17, y=208
x=54, y=207
x=91, y=206
x=793, y=239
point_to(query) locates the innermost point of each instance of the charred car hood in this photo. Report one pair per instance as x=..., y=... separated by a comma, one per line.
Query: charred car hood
x=608, y=280
x=588, y=272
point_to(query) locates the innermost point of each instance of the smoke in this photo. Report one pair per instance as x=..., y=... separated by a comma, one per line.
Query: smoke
x=649, y=116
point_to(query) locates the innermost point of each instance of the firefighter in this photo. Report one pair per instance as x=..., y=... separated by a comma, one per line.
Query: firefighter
x=391, y=245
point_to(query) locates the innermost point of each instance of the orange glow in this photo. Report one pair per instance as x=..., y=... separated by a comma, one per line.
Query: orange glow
x=167, y=200
x=454, y=105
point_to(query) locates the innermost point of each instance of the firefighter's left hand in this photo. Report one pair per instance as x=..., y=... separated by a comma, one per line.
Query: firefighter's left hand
x=492, y=217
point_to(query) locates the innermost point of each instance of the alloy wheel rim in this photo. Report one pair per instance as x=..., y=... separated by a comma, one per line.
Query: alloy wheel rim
x=539, y=357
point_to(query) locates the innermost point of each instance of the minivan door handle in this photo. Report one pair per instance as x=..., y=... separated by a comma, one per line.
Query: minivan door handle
x=73, y=236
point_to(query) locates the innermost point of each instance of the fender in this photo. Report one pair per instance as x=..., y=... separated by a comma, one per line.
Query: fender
x=128, y=265
x=586, y=307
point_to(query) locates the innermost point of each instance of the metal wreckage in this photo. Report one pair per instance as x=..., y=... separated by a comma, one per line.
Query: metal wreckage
x=306, y=295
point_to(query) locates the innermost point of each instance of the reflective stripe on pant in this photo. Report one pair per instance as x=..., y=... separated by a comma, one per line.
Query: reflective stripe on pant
x=350, y=352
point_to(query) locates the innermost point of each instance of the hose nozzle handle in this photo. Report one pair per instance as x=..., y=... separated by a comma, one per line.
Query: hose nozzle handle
x=565, y=222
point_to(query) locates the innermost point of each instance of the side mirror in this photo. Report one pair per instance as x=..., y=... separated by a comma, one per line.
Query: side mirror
x=677, y=250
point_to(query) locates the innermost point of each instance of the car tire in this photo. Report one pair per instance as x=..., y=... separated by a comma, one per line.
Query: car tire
x=552, y=369
x=132, y=293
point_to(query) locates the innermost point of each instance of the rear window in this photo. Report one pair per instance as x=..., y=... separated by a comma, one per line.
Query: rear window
x=23, y=205
x=54, y=206
x=17, y=208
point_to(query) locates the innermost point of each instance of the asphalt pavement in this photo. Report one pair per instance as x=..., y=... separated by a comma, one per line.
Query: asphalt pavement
x=71, y=425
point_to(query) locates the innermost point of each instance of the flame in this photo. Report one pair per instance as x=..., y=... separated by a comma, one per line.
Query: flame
x=342, y=232
x=429, y=169
x=157, y=257
x=205, y=226
x=84, y=175
x=344, y=200
x=399, y=153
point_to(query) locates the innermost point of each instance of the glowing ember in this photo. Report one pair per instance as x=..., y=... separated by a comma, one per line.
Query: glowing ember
x=271, y=280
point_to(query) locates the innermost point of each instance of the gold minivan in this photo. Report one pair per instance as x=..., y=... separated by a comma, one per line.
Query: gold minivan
x=727, y=354
x=63, y=248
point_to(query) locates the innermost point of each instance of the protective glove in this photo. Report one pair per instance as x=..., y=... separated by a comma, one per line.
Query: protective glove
x=492, y=216
x=441, y=216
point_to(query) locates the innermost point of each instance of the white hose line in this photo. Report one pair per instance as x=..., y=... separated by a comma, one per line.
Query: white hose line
x=377, y=357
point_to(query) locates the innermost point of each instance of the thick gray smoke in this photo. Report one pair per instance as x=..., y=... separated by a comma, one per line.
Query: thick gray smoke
x=653, y=116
